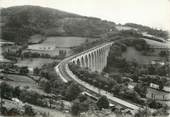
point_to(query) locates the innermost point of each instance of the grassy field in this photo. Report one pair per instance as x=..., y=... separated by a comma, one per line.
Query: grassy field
x=39, y=110
x=156, y=43
x=35, y=62
x=23, y=82
x=36, y=39
x=67, y=41
x=19, y=80
x=58, y=43
x=133, y=55
x=51, y=112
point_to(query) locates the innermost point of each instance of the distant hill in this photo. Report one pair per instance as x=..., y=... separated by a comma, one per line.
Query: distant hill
x=21, y=22
x=151, y=31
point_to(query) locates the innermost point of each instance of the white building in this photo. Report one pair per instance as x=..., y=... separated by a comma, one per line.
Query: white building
x=49, y=49
x=120, y=27
x=44, y=47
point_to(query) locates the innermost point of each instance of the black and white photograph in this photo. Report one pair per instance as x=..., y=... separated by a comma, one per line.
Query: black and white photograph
x=84, y=58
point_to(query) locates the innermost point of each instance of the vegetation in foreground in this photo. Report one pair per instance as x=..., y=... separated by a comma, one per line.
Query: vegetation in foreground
x=55, y=96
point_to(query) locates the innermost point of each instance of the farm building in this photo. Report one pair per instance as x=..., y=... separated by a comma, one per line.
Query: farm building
x=49, y=49
x=120, y=27
x=43, y=47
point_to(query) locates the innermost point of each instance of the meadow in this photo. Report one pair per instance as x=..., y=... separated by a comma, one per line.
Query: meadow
x=34, y=62
x=133, y=55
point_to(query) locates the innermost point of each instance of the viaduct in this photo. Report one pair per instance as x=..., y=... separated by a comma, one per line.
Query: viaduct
x=95, y=59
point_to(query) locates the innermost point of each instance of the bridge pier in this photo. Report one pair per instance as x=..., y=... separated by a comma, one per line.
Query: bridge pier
x=95, y=60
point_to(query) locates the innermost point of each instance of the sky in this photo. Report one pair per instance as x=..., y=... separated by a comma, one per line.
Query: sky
x=153, y=13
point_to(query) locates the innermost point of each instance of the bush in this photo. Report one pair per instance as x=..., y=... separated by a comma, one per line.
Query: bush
x=75, y=109
x=103, y=102
x=155, y=105
x=79, y=107
x=72, y=92
x=6, y=90
x=29, y=110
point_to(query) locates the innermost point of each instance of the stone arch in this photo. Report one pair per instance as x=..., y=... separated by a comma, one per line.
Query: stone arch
x=86, y=60
x=93, y=60
x=97, y=52
x=82, y=61
x=90, y=60
x=78, y=61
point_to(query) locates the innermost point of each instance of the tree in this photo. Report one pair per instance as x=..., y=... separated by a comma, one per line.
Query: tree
x=75, y=109
x=142, y=113
x=61, y=105
x=103, y=103
x=151, y=69
x=161, y=85
x=36, y=71
x=29, y=110
x=163, y=54
x=6, y=90
x=84, y=106
x=141, y=89
x=82, y=98
x=161, y=82
x=24, y=70
x=44, y=74
x=47, y=87
x=135, y=77
x=155, y=105
x=13, y=111
x=116, y=89
x=79, y=107
x=162, y=71
x=72, y=92
x=17, y=92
